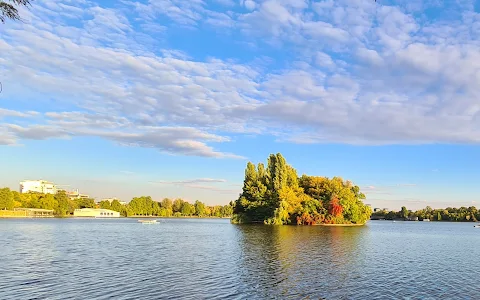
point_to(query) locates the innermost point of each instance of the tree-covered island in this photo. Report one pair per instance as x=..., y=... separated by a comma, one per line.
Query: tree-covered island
x=276, y=195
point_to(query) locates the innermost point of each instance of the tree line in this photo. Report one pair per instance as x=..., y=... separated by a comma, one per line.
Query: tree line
x=59, y=202
x=276, y=195
x=462, y=214
x=145, y=206
x=138, y=206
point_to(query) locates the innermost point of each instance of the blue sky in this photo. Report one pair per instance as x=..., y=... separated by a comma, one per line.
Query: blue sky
x=171, y=98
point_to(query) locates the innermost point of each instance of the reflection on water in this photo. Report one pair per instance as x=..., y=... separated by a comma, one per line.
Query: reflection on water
x=296, y=262
x=212, y=259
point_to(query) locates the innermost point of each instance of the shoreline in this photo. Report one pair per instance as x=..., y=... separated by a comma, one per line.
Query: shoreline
x=172, y=217
x=131, y=217
x=339, y=225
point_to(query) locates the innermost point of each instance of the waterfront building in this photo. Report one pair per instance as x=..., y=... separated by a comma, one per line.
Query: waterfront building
x=75, y=194
x=95, y=213
x=39, y=186
x=36, y=212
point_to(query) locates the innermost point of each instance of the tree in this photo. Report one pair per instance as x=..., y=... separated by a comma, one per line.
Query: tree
x=105, y=204
x=335, y=208
x=62, y=202
x=187, y=209
x=227, y=210
x=85, y=203
x=199, y=208
x=177, y=205
x=46, y=201
x=9, y=10
x=6, y=199
x=167, y=203
x=116, y=206
x=277, y=196
x=404, y=212
x=156, y=208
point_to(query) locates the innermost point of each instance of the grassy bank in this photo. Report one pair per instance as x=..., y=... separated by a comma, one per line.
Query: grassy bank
x=12, y=214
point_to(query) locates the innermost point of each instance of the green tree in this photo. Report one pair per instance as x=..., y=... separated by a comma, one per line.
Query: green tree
x=253, y=204
x=105, y=204
x=62, y=202
x=85, y=203
x=177, y=205
x=187, y=209
x=6, y=199
x=199, y=208
x=156, y=208
x=167, y=203
x=116, y=206
x=142, y=205
x=9, y=10
x=46, y=201
x=227, y=210
x=404, y=212
x=277, y=196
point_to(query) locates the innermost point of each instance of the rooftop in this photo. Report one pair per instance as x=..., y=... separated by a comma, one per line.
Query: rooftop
x=34, y=209
x=95, y=209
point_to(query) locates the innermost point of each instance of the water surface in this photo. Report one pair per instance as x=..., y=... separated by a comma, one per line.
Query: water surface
x=212, y=259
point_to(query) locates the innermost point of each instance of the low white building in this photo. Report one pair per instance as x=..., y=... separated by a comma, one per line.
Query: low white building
x=95, y=213
x=75, y=194
x=39, y=186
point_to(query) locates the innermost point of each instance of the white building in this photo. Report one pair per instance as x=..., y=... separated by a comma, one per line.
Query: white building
x=95, y=213
x=39, y=186
x=75, y=194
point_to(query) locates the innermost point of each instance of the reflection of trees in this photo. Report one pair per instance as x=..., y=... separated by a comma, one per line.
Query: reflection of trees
x=298, y=261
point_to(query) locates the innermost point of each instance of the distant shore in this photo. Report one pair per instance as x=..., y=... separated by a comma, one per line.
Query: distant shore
x=130, y=217
x=339, y=225
x=174, y=217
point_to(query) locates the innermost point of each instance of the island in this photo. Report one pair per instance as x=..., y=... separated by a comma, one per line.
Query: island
x=275, y=195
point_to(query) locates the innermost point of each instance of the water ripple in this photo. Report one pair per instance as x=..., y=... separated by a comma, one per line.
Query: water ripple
x=212, y=259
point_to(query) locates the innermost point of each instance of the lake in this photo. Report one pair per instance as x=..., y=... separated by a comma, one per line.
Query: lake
x=212, y=259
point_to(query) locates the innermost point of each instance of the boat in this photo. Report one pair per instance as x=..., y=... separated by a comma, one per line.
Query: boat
x=148, y=221
x=476, y=226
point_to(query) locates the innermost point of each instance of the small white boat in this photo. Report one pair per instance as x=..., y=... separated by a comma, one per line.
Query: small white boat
x=148, y=221
x=476, y=226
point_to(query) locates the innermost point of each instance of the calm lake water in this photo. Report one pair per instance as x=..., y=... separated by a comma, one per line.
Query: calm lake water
x=212, y=259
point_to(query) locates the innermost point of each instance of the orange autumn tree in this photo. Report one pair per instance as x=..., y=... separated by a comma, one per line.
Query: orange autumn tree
x=335, y=208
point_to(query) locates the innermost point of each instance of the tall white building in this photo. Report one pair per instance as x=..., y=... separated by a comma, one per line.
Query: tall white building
x=39, y=186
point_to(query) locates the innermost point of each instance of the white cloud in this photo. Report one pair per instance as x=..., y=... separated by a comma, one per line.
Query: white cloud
x=12, y=113
x=191, y=181
x=324, y=60
x=37, y=132
x=355, y=72
x=7, y=138
x=199, y=184
x=249, y=4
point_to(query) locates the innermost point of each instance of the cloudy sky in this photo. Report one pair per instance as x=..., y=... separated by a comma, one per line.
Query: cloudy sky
x=171, y=98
